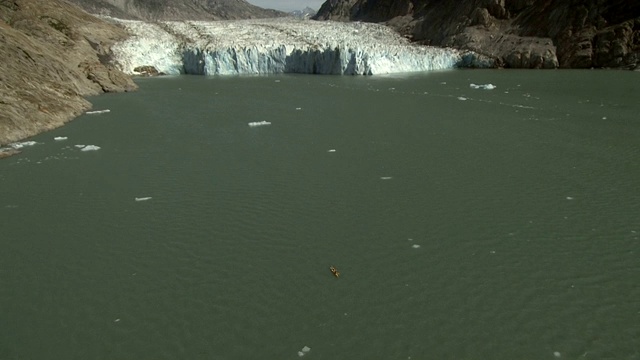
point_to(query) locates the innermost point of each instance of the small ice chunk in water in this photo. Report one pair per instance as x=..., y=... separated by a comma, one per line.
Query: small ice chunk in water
x=415, y=246
x=557, y=354
x=304, y=350
x=259, y=123
x=569, y=198
x=144, y=198
x=80, y=146
x=462, y=98
x=90, y=148
x=331, y=150
x=386, y=177
x=60, y=138
x=298, y=108
x=482, y=86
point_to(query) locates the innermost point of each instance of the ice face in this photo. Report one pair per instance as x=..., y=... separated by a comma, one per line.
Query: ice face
x=272, y=46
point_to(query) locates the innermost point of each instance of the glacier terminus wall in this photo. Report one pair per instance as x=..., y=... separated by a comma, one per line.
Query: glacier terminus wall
x=272, y=46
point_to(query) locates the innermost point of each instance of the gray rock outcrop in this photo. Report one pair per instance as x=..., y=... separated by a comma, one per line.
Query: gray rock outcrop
x=516, y=33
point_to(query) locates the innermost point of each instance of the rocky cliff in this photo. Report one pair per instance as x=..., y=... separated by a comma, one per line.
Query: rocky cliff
x=53, y=55
x=154, y=10
x=516, y=33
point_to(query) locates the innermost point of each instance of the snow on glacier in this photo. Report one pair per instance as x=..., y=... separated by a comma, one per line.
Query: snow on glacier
x=272, y=46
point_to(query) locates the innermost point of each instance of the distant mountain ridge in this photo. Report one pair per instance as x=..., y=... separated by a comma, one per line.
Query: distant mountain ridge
x=155, y=10
x=305, y=13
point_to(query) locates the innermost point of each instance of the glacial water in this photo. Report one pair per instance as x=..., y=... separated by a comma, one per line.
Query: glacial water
x=466, y=222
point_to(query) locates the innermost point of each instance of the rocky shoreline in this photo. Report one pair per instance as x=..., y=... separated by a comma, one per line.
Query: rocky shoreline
x=54, y=55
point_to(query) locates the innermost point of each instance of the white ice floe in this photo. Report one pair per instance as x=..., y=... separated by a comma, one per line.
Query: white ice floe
x=144, y=198
x=273, y=46
x=60, y=138
x=462, y=98
x=259, y=123
x=386, y=177
x=97, y=112
x=20, y=145
x=415, y=246
x=331, y=150
x=79, y=146
x=483, y=86
x=90, y=148
x=304, y=351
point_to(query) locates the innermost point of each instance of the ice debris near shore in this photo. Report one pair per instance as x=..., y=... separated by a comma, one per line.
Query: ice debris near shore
x=20, y=145
x=97, y=112
x=273, y=46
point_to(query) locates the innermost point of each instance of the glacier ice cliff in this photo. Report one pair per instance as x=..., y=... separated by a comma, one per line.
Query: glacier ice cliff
x=272, y=46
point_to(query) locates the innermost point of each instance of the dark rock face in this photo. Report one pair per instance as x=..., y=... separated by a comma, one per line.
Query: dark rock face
x=53, y=54
x=147, y=70
x=516, y=33
x=154, y=10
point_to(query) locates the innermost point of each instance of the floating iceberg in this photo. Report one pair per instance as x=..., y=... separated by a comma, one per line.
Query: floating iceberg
x=144, y=198
x=484, y=86
x=273, y=46
x=90, y=148
x=304, y=351
x=60, y=138
x=97, y=112
x=259, y=123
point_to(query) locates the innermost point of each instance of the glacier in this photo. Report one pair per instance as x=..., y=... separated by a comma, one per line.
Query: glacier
x=274, y=46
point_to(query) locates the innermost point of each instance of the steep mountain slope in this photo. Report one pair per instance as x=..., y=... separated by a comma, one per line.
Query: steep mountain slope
x=517, y=33
x=177, y=9
x=53, y=54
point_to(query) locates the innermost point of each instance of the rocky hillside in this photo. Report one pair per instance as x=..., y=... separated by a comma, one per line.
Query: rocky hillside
x=154, y=10
x=516, y=33
x=53, y=55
